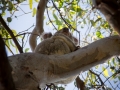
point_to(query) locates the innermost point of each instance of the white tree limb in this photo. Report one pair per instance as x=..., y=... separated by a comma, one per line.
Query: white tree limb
x=47, y=69
x=38, y=30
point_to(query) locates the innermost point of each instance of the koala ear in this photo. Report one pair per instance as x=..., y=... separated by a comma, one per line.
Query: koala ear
x=65, y=29
x=50, y=34
x=75, y=40
x=46, y=35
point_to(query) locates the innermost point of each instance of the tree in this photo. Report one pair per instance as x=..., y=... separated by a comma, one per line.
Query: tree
x=31, y=69
x=6, y=81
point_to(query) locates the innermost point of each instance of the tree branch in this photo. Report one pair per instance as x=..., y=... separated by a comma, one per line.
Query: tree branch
x=6, y=81
x=39, y=24
x=52, y=68
x=11, y=34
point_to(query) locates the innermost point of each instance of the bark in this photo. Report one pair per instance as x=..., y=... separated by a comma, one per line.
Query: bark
x=38, y=30
x=45, y=69
x=6, y=81
x=111, y=10
x=80, y=84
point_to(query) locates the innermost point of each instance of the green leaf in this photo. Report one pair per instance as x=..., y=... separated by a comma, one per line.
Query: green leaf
x=7, y=43
x=4, y=13
x=30, y=3
x=68, y=20
x=86, y=80
x=61, y=88
x=99, y=35
x=119, y=78
x=76, y=8
x=10, y=6
x=93, y=77
x=20, y=0
x=27, y=49
x=58, y=22
x=98, y=20
x=92, y=22
x=96, y=67
x=9, y=19
x=113, y=61
x=34, y=12
x=11, y=42
x=105, y=72
x=3, y=9
x=105, y=25
x=60, y=4
x=55, y=16
x=60, y=27
x=36, y=0
x=14, y=32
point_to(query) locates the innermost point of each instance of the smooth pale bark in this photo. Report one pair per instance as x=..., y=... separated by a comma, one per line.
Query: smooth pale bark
x=38, y=30
x=52, y=68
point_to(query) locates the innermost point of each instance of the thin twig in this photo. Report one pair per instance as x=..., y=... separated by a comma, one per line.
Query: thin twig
x=9, y=48
x=11, y=34
x=50, y=19
x=102, y=83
